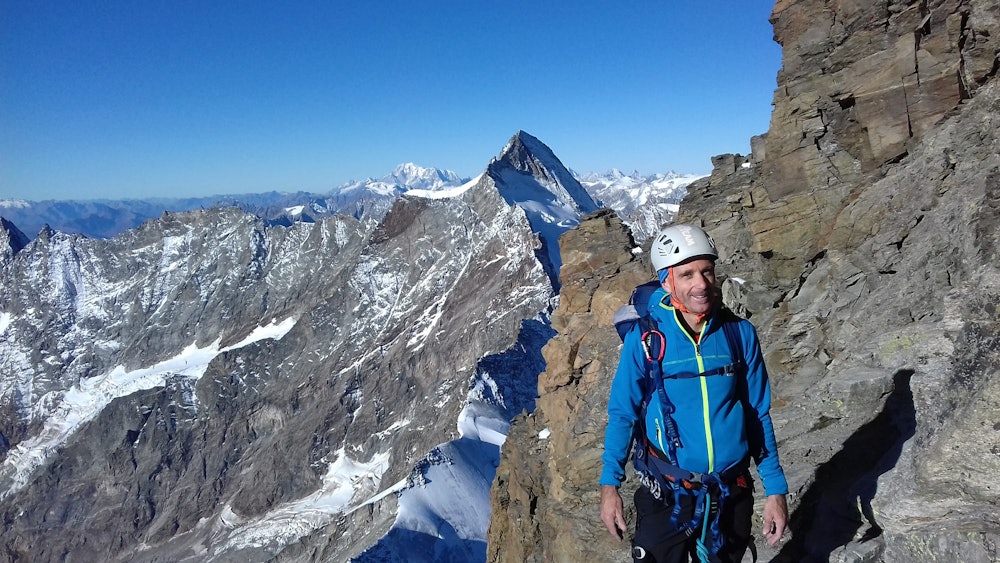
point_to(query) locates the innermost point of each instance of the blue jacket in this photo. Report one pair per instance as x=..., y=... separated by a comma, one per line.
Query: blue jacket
x=709, y=413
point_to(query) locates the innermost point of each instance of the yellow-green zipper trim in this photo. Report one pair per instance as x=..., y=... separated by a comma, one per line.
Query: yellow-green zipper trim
x=709, y=444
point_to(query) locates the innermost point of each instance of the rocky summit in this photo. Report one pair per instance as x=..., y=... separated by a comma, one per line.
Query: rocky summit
x=861, y=238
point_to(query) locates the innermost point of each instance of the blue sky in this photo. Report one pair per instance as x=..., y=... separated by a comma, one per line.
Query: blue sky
x=182, y=98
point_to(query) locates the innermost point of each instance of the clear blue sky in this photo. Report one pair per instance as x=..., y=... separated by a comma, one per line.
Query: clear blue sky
x=124, y=99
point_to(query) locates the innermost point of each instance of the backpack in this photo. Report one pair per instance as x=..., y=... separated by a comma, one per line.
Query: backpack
x=657, y=470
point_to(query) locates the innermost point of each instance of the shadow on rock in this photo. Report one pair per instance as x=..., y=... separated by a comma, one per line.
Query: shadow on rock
x=419, y=547
x=838, y=503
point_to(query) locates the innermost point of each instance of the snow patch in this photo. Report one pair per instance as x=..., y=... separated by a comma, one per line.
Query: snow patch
x=395, y=426
x=345, y=478
x=484, y=422
x=444, y=193
x=341, y=235
x=86, y=400
x=453, y=509
x=5, y=319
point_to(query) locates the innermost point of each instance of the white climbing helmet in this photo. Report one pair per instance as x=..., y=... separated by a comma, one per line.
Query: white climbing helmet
x=678, y=243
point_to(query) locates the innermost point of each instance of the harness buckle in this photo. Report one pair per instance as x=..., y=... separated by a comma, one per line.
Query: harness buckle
x=694, y=482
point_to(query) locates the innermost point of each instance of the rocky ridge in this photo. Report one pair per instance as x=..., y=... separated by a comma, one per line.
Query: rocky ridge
x=862, y=242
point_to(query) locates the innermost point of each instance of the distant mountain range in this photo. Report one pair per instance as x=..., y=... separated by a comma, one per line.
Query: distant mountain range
x=644, y=202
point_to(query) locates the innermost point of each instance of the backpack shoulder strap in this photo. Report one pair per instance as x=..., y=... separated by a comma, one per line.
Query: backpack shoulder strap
x=731, y=328
x=654, y=344
x=642, y=294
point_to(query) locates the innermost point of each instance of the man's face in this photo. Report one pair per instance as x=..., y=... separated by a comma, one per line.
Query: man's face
x=693, y=284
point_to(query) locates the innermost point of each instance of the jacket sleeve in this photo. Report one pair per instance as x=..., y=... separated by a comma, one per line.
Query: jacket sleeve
x=760, y=431
x=624, y=403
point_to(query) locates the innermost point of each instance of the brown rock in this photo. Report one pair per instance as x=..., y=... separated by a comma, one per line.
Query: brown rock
x=545, y=500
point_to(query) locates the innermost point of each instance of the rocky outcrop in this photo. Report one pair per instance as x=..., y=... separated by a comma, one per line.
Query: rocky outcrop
x=861, y=82
x=860, y=85
x=862, y=242
x=870, y=343
x=545, y=496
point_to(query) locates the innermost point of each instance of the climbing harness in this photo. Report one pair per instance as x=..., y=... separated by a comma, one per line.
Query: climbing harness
x=657, y=470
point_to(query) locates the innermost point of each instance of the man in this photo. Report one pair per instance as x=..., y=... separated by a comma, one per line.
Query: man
x=694, y=439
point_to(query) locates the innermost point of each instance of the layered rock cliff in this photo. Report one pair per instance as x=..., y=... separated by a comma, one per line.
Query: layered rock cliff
x=861, y=238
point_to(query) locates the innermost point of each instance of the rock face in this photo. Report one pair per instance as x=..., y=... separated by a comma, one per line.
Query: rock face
x=861, y=82
x=863, y=243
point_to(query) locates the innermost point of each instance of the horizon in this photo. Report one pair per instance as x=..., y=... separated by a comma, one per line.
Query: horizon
x=190, y=100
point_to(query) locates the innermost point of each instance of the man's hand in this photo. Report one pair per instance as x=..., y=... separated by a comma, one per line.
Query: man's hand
x=612, y=512
x=775, y=518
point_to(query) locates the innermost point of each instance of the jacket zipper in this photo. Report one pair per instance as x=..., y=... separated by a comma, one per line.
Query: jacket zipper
x=705, y=410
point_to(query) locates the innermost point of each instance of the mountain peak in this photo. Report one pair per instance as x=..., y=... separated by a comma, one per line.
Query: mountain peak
x=527, y=155
x=412, y=176
x=12, y=240
x=528, y=174
x=524, y=148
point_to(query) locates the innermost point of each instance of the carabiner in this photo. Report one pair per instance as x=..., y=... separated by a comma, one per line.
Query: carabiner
x=645, y=344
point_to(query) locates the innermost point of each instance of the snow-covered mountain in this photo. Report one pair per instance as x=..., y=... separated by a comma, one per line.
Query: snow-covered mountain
x=372, y=197
x=414, y=177
x=530, y=176
x=644, y=202
x=212, y=386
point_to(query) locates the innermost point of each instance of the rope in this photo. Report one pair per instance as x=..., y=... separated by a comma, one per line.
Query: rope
x=700, y=546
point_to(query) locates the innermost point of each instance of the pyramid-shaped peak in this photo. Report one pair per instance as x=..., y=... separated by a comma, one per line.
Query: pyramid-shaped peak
x=524, y=147
x=530, y=157
x=531, y=142
x=12, y=240
x=527, y=154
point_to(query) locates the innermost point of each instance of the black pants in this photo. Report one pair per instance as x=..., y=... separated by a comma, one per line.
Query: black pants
x=657, y=541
